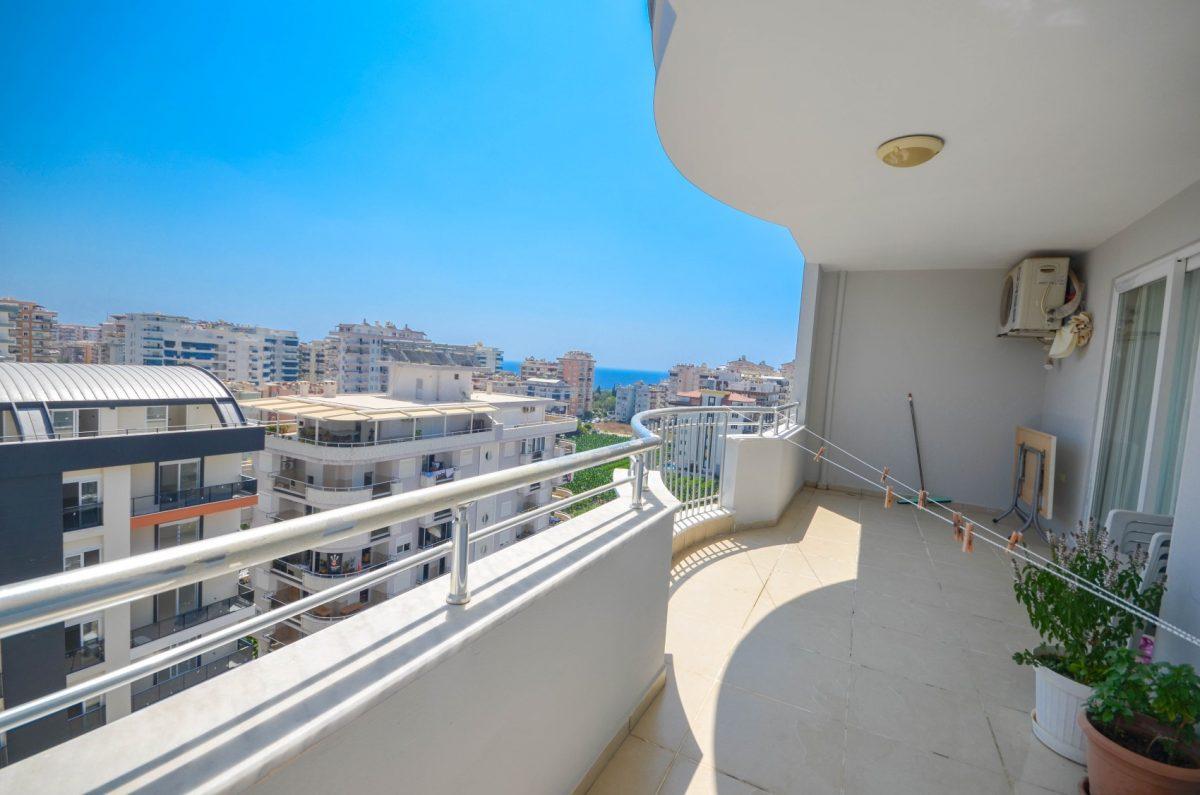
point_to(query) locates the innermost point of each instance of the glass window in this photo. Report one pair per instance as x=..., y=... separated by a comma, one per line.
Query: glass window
x=63, y=421
x=1180, y=397
x=156, y=416
x=178, y=476
x=1132, y=373
x=77, y=560
x=81, y=492
x=172, y=535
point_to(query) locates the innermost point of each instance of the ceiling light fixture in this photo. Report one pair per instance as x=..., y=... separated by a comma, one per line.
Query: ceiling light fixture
x=909, y=150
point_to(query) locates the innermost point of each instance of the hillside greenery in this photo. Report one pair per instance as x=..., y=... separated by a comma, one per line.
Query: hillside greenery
x=590, y=478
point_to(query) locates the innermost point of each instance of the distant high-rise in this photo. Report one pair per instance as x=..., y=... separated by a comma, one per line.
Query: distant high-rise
x=230, y=351
x=27, y=329
x=364, y=350
x=579, y=371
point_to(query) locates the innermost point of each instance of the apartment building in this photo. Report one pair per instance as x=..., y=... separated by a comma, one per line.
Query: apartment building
x=8, y=330
x=318, y=360
x=631, y=398
x=78, y=344
x=579, y=370
x=97, y=463
x=230, y=351
x=685, y=377
x=29, y=330
x=361, y=352
x=430, y=428
x=532, y=367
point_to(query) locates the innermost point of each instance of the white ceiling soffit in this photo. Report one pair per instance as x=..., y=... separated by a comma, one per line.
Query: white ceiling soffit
x=1064, y=121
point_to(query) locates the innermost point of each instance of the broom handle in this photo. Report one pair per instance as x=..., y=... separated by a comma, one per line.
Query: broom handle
x=916, y=440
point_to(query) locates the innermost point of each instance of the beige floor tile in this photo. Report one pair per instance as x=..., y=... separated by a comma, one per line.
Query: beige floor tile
x=768, y=744
x=891, y=583
x=994, y=604
x=826, y=632
x=1026, y=759
x=875, y=764
x=832, y=570
x=989, y=636
x=830, y=547
x=811, y=594
x=941, y=721
x=915, y=618
x=699, y=646
x=914, y=563
x=668, y=718
x=689, y=777
x=1001, y=681
x=982, y=572
x=781, y=668
x=714, y=602
x=926, y=661
x=637, y=768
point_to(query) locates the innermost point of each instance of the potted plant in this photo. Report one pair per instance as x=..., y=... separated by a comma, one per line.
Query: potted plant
x=1140, y=725
x=1078, y=629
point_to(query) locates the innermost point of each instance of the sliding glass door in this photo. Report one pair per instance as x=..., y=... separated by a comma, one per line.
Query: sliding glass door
x=1132, y=372
x=1151, y=370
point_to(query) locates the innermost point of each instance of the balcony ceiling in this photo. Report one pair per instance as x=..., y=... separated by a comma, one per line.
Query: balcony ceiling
x=1064, y=121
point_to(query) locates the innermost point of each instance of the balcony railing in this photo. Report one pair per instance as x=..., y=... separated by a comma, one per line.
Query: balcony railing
x=85, y=656
x=186, y=498
x=92, y=719
x=48, y=600
x=175, y=684
x=81, y=517
x=435, y=476
x=326, y=439
x=168, y=626
x=47, y=437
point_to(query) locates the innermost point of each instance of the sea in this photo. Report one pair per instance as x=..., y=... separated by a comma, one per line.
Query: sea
x=609, y=377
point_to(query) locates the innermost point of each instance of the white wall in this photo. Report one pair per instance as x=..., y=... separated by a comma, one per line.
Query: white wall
x=932, y=333
x=520, y=691
x=762, y=474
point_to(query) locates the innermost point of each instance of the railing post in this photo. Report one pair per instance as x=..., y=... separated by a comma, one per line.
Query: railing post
x=459, y=594
x=638, y=467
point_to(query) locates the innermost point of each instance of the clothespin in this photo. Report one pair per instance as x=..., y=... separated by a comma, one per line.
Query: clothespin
x=886, y=472
x=819, y=454
x=968, y=538
x=1014, y=539
x=958, y=527
x=889, y=497
x=921, y=496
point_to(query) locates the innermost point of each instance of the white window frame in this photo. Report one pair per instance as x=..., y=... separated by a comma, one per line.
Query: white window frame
x=82, y=555
x=81, y=479
x=74, y=430
x=1173, y=268
x=156, y=423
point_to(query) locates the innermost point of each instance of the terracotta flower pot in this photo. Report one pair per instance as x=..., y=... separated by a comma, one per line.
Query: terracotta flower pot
x=1115, y=770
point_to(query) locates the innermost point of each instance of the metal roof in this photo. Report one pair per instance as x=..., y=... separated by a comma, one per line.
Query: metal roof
x=106, y=383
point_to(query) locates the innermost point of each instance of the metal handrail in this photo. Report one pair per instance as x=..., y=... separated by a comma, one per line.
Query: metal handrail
x=53, y=437
x=177, y=623
x=296, y=436
x=47, y=600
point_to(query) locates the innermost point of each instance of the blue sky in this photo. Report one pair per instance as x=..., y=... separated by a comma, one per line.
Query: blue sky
x=477, y=170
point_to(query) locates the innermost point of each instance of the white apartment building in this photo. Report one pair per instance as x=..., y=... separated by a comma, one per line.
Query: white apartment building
x=357, y=354
x=8, y=330
x=145, y=458
x=324, y=452
x=632, y=398
x=230, y=351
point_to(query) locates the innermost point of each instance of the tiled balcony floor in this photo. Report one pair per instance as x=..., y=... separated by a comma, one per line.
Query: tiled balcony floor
x=846, y=649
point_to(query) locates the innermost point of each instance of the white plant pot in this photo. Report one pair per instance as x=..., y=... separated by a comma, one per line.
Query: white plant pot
x=1057, y=701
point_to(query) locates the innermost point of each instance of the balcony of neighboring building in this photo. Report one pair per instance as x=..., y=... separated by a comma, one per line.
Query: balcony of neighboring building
x=317, y=570
x=176, y=504
x=179, y=678
x=213, y=615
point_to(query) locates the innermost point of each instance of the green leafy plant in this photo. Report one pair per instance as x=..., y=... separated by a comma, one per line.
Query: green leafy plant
x=1168, y=695
x=1079, y=629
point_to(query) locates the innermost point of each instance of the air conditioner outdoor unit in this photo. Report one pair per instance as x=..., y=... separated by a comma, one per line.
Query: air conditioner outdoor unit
x=1034, y=296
